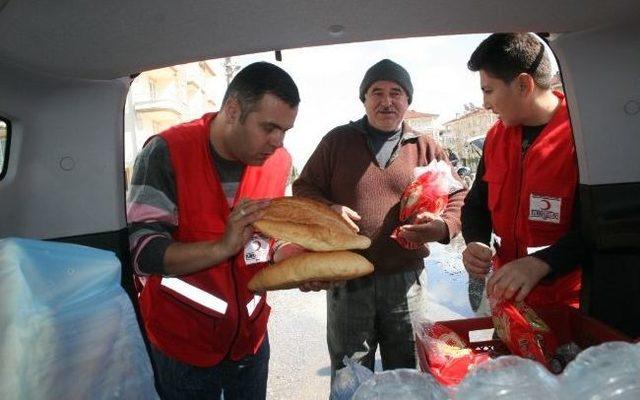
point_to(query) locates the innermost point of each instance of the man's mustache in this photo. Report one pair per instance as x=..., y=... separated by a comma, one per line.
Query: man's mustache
x=387, y=109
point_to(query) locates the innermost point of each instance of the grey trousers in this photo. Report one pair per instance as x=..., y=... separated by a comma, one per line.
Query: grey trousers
x=375, y=310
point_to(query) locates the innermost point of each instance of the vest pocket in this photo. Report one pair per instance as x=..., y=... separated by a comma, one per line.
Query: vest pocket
x=178, y=322
x=194, y=297
x=495, y=182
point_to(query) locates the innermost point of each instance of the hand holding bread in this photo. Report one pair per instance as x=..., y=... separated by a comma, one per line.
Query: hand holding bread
x=316, y=227
x=310, y=224
x=239, y=225
x=348, y=215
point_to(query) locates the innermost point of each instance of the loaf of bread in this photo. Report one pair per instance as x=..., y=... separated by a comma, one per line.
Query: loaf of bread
x=306, y=267
x=310, y=224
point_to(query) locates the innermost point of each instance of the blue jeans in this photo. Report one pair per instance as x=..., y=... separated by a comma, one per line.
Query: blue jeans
x=236, y=380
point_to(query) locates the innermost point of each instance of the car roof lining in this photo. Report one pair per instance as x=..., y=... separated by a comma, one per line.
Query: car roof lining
x=110, y=39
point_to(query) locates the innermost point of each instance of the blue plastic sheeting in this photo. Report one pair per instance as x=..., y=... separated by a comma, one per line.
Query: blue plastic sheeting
x=67, y=328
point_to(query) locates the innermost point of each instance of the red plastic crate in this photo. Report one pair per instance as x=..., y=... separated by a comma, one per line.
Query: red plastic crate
x=568, y=324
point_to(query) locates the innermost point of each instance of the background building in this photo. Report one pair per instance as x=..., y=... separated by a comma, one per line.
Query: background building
x=458, y=132
x=161, y=98
x=422, y=122
x=447, y=140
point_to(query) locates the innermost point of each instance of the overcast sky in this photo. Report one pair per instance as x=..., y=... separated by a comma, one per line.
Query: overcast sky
x=328, y=78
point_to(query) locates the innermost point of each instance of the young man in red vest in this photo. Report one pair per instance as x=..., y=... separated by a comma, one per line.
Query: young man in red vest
x=196, y=189
x=525, y=193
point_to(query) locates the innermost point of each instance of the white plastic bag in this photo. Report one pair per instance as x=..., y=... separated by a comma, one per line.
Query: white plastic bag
x=349, y=379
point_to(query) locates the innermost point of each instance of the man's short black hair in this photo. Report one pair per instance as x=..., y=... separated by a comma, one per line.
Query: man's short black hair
x=507, y=55
x=257, y=79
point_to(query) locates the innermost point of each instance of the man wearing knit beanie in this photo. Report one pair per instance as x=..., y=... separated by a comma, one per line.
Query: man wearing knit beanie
x=386, y=91
x=361, y=169
x=387, y=70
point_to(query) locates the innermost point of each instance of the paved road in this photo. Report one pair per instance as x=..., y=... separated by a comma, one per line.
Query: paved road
x=299, y=367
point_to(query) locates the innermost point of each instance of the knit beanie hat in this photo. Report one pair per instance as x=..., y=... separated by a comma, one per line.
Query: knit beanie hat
x=387, y=70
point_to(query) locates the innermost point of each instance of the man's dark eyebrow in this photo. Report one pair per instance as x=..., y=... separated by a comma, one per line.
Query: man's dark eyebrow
x=268, y=124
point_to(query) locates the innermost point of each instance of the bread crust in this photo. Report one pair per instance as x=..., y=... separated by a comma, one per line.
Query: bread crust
x=324, y=266
x=310, y=224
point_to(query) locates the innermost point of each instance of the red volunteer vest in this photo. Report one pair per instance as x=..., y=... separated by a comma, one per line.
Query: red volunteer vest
x=205, y=317
x=531, y=197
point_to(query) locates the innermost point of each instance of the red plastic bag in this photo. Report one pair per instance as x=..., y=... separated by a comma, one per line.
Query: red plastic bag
x=448, y=357
x=523, y=331
x=429, y=192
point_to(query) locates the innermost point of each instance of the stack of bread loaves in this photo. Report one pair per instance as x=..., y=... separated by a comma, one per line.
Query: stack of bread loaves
x=317, y=228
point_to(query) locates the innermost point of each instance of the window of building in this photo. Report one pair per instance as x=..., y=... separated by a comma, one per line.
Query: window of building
x=5, y=136
x=152, y=88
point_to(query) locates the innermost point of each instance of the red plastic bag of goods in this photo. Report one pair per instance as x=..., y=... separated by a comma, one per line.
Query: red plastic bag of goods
x=523, y=331
x=448, y=357
x=429, y=192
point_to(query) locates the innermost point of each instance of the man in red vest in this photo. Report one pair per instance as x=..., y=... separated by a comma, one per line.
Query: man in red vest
x=196, y=189
x=525, y=195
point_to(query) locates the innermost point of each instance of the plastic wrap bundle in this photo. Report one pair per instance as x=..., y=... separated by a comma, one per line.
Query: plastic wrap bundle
x=447, y=354
x=67, y=328
x=405, y=384
x=523, y=331
x=349, y=379
x=608, y=371
x=509, y=378
x=429, y=192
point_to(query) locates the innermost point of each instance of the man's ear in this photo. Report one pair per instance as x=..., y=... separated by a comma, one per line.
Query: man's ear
x=232, y=109
x=525, y=83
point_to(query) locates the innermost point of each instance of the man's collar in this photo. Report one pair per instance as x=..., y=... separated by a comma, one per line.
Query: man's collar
x=407, y=132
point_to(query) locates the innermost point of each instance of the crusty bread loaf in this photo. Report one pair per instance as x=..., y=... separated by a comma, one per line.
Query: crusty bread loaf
x=306, y=267
x=310, y=224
